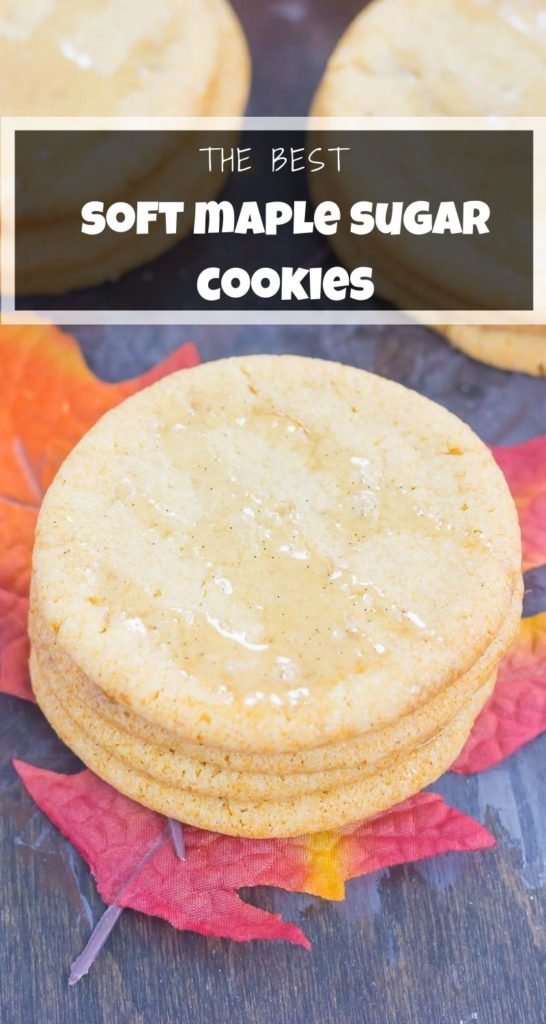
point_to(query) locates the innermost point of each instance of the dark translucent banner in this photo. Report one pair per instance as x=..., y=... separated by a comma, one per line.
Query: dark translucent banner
x=274, y=220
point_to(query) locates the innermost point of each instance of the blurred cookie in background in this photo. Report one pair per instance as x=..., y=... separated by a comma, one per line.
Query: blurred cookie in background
x=123, y=58
x=438, y=58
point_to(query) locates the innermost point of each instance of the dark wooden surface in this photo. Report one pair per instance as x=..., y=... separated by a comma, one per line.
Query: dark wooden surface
x=455, y=940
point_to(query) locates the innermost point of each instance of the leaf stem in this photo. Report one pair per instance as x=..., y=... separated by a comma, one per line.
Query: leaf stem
x=177, y=838
x=106, y=921
x=96, y=941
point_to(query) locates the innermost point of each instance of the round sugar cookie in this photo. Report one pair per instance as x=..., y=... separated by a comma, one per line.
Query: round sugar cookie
x=269, y=554
x=166, y=764
x=519, y=348
x=50, y=254
x=475, y=52
x=229, y=772
x=49, y=259
x=161, y=765
x=108, y=57
x=483, y=57
x=509, y=348
x=333, y=808
x=116, y=58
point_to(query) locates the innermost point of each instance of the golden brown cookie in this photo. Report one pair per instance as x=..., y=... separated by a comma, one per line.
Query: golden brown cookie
x=270, y=594
x=270, y=553
x=181, y=59
x=486, y=58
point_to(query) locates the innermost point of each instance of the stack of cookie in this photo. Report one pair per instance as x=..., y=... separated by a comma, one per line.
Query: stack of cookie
x=127, y=59
x=441, y=57
x=270, y=594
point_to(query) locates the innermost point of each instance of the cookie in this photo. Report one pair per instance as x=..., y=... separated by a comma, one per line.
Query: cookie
x=51, y=257
x=230, y=772
x=363, y=798
x=270, y=594
x=480, y=59
x=475, y=52
x=508, y=348
x=185, y=59
x=269, y=554
x=122, y=58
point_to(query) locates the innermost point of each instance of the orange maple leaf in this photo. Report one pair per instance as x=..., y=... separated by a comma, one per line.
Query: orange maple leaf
x=50, y=399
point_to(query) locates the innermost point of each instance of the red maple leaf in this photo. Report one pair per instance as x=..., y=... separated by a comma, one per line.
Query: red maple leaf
x=516, y=711
x=524, y=466
x=135, y=865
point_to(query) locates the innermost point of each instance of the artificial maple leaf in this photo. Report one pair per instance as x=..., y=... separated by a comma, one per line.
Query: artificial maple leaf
x=14, y=645
x=50, y=399
x=128, y=850
x=524, y=466
x=516, y=711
